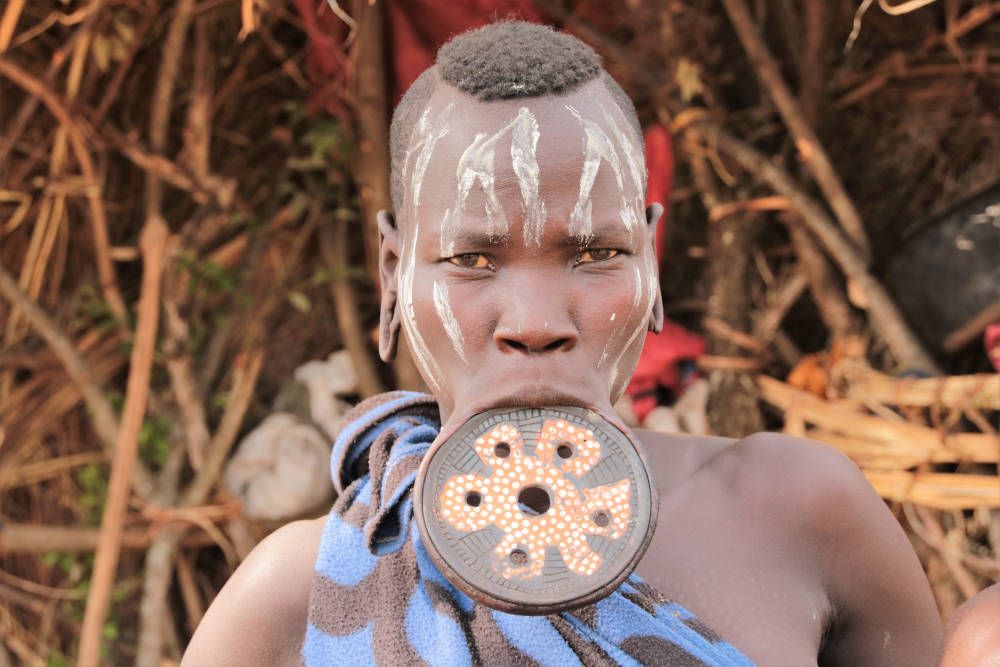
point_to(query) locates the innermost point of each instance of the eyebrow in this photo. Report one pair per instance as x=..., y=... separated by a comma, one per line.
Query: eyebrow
x=474, y=238
x=606, y=234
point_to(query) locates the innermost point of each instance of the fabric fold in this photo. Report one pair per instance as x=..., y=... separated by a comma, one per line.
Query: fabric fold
x=377, y=597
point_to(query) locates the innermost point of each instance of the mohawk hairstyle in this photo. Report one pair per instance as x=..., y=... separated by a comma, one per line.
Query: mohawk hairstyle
x=501, y=61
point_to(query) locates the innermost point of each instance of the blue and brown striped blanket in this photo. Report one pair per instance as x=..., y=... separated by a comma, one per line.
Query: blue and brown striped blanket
x=377, y=598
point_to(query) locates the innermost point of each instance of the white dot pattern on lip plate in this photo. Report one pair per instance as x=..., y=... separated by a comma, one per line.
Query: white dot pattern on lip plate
x=571, y=514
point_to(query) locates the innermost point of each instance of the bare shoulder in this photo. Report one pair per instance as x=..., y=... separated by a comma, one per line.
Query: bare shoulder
x=883, y=609
x=259, y=616
x=973, y=636
x=788, y=474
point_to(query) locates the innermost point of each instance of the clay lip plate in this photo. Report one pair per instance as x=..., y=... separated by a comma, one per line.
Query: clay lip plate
x=467, y=558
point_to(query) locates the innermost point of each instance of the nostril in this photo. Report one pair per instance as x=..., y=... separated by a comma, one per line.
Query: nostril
x=537, y=347
x=516, y=345
x=556, y=344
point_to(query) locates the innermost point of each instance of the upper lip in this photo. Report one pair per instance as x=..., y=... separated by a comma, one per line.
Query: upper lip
x=527, y=397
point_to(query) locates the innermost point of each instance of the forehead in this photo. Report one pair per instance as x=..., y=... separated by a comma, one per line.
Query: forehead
x=469, y=155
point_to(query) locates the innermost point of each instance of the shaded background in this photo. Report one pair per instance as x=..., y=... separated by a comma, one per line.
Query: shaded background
x=187, y=198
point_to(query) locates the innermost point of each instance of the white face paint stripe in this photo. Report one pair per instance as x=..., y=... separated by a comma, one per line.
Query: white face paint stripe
x=421, y=354
x=620, y=333
x=428, y=140
x=522, y=154
x=443, y=307
x=478, y=165
x=598, y=148
x=630, y=150
x=422, y=144
x=644, y=284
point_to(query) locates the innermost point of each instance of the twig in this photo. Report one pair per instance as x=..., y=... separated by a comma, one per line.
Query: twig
x=9, y=22
x=152, y=242
x=907, y=440
x=733, y=335
x=201, y=190
x=189, y=592
x=157, y=566
x=806, y=140
x=929, y=528
x=245, y=373
x=333, y=246
x=20, y=538
x=827, y=295
x=780, y=301
x=972, y=329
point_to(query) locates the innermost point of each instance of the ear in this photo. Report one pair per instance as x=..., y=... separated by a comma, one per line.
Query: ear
x=654, y=213
x=388, y=261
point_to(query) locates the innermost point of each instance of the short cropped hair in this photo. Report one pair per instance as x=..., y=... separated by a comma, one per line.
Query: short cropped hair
x=501, y=61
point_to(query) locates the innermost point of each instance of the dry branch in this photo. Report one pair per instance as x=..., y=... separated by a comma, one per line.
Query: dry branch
x=806, y=141
x=906, y=439
x=957, y=391
x=152, y=243
x=19, y=538
x=944, y=491
x=333, y=246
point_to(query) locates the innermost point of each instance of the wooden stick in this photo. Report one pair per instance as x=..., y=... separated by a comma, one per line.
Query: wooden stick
x=9, y=22
x=372, y=126
x=23, y=538
x=972, y=329
x=806, y=141
x=956, y=391
x=152, y=242
x=333, y=247
x=950, y=553
x=245, y=374
x=944, y=491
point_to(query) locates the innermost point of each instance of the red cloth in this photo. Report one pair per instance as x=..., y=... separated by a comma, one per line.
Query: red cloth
x=991, y=341
x=659, y=365
x=415, y=30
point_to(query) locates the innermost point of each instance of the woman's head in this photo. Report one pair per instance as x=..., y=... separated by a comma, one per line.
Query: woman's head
x=520, y=261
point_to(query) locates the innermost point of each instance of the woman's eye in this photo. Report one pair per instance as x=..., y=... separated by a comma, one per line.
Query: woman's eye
x=596, y=255
x=470, y=260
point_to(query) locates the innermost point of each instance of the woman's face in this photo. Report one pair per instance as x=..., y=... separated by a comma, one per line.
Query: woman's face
x=524, y=265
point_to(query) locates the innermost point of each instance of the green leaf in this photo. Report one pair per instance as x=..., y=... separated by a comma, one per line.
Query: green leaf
x=300, y=301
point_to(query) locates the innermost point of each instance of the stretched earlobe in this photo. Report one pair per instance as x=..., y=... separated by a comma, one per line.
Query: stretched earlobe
x=388, y=332
x=654, y=213
x=388, y=260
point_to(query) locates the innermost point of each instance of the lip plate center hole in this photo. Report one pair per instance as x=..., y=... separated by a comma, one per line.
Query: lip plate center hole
x=519, y=557
x=534, y=500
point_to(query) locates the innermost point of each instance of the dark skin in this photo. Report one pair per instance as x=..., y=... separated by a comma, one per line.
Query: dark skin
x=973, y=635
x=778, y=544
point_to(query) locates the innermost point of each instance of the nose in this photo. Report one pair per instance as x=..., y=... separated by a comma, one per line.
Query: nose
x=535, y=320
